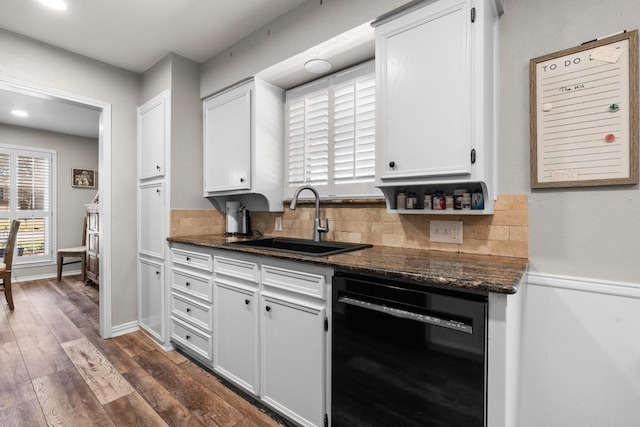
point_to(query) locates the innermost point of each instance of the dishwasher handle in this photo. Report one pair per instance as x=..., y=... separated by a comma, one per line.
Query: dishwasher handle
x=430, y=319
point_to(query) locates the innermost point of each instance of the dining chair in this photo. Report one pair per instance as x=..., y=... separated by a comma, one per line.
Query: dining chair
x=5, y=267
x=77, y=252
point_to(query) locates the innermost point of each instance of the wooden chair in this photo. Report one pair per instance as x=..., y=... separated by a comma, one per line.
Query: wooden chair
x=5, y=267
x=77, y=252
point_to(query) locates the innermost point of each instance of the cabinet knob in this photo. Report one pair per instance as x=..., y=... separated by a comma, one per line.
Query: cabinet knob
x=241, y=179
x=157, y=273
x=188, y=259
x=188, y=337
x=392, y=164
x=157, y=191
x=188, y=310
x=187, y=284
x=157, y=167
x=268, y=308
x=247, y=302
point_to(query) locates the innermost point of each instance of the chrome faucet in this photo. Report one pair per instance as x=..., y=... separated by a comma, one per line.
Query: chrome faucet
x=317, y=227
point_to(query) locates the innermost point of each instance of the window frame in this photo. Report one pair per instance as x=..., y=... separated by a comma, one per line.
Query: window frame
x=13, y=213
x=332, y=188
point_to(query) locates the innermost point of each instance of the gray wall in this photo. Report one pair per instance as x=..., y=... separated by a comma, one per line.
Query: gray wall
x=590, y=232
x=73, y=152
x=37, y=63
x=181, y=76
x=301, y=28
x=576, y=232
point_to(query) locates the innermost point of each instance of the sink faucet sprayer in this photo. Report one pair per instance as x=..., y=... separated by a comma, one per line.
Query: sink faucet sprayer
x=317, y=228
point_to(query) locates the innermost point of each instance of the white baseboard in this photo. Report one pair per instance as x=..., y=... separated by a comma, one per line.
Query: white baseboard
x=17, y=279
x=125, y=328
x=582, y=284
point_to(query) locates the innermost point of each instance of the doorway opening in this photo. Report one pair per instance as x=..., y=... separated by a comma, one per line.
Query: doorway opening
x=104, y=171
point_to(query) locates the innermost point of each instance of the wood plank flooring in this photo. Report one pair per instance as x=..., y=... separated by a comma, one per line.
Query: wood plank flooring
x=56, y=370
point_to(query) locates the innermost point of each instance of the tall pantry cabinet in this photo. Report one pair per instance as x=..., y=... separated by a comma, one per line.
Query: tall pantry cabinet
x=154, y=153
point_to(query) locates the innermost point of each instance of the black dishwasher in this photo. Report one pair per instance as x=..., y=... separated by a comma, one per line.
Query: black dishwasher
x=407, y=354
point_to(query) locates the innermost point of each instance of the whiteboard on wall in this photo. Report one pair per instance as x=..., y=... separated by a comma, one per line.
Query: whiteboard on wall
x=584, y=114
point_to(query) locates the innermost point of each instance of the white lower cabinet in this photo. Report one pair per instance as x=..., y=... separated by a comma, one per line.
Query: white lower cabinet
x=191, y=321
x=293, y=357
x=259, y=322
x=236, y=321
x=151, y=297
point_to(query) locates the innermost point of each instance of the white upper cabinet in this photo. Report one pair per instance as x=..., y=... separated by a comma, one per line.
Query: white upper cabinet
x=424, y=77
x=228, y=141
x=153, y=132
x=435, y=97
x=243, y=143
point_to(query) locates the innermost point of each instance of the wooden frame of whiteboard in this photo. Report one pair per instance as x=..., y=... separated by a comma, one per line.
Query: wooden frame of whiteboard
x=632, y=36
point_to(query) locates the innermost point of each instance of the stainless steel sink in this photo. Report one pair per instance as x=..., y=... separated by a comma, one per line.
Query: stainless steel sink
x=302, y=246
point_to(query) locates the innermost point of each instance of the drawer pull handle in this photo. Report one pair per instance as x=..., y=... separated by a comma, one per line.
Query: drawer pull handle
x=188, y=310
x=268, y=308
x=247, y=302
x=188, y=337
x=187, y=284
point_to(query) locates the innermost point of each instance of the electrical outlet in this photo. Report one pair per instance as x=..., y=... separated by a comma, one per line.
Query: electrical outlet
x=278, y=223
x=445, y=231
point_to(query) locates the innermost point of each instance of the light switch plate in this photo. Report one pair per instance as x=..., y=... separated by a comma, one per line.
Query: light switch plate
x=278, y=225
x=445, y=231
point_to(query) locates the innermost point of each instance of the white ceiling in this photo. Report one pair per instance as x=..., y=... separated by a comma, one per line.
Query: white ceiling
x=130, y=34
x=135, y=34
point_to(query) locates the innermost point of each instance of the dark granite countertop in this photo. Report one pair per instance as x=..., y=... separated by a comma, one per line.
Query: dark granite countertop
x=483, y=273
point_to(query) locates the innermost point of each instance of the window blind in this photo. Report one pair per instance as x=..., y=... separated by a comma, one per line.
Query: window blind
x=331, y=134
x=26, y=195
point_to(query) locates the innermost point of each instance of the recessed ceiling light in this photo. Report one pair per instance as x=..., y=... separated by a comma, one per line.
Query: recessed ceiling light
x=55, y=4
x=19, y=113
x=317, y=66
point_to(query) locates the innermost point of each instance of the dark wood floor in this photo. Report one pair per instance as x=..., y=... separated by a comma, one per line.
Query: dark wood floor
x=56, y=370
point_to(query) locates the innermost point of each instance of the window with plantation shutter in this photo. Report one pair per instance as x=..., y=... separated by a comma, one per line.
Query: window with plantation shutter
x=331, y=134
x=26, y=194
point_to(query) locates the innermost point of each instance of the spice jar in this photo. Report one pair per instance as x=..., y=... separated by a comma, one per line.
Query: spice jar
x=439, y=201
x=401, y=200
x=427, y=201
x=448, y=202
x=411, y=200
x=466, y=201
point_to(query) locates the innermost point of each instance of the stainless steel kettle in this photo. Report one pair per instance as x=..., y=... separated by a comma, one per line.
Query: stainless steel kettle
x=244, y=221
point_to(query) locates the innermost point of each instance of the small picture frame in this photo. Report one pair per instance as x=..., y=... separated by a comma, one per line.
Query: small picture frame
x=83, y=178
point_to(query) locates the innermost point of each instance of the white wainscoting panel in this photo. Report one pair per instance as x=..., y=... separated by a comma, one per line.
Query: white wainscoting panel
x=581, y=353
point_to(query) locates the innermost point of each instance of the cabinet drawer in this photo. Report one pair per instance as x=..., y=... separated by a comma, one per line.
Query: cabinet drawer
x=192, y=284
x=191, y=338
x=192, y=312
x=235, y=268
x=192, y=259
x=304, y=283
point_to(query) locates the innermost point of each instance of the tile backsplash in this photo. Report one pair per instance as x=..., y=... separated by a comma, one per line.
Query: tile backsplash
x=504, y=233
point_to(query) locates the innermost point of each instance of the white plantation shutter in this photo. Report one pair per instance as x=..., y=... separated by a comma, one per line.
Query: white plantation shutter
x=26, y=191
x=354, y=130
x=5, y=181
x=331, y=134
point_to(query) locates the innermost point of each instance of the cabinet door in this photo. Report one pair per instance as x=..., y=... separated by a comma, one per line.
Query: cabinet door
x=227, y=141
x=424, y=93
x=151, y=297
x=153, y=122
x=293, y=354
x=151, y=223
x=236, y=333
